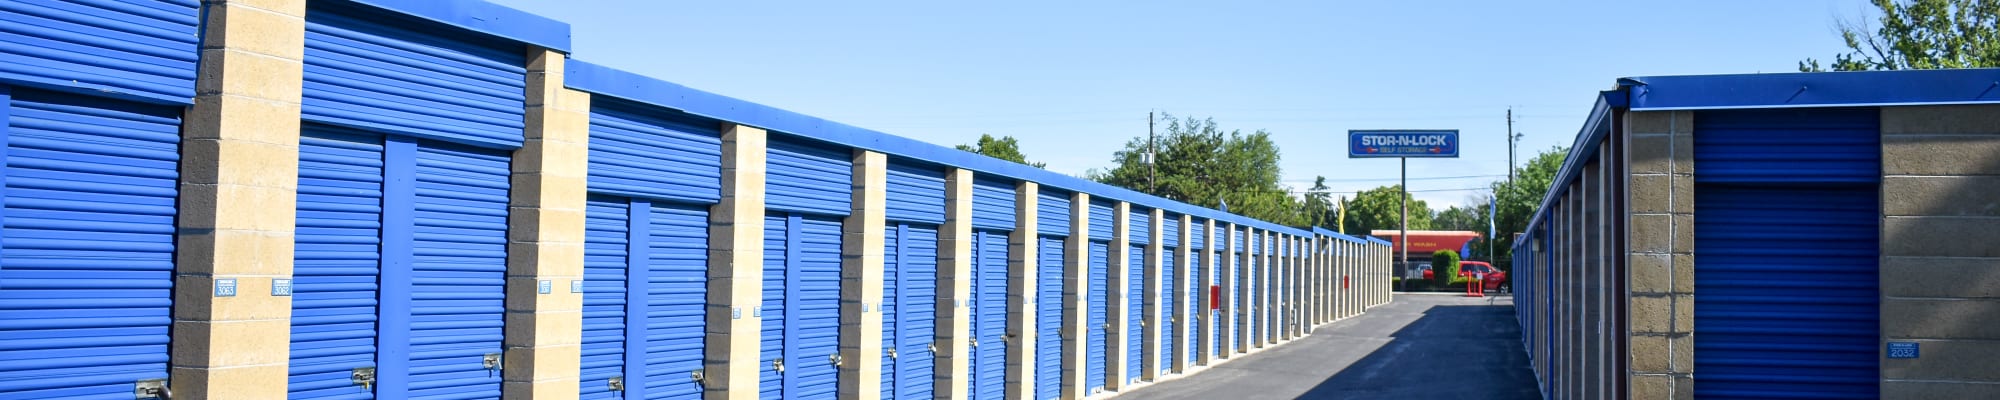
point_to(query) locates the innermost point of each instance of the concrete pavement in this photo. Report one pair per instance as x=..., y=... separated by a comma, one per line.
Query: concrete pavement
x=1422, y=346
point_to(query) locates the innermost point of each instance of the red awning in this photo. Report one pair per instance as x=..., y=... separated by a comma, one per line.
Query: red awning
x=1423, y=243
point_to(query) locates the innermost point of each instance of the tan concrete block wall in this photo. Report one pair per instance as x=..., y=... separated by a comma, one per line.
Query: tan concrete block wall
x=955, y=241
x=1660, y=260
x=736, y=268
x=1022, y=258
x=238, y=191
x=861, y=278
x=1150, y=310
x=1076, y=274
x=1119, y=258
x=1940, y=266
x=545, y=216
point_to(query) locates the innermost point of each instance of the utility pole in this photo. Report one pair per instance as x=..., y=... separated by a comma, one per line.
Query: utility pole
x=1510, y=145
x=1151, y=156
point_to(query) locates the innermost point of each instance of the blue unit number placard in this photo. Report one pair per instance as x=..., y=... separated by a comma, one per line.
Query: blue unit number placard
x=1903, y=350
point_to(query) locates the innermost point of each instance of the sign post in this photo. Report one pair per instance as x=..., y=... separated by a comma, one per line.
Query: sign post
x=1403, y=144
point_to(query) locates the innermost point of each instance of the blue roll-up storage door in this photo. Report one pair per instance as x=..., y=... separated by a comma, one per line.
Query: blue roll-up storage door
x=891, y=278
x=394, y=73
x=1096, y=345
x=915, y=192
x=645, y=284
x=86, y=255
x=1142, y=225
x=1052, y=212
x=1048, y=318
x=606, y=248
x=1101, y=219
x=1135, y=310
x=1255, y=274
x=1167, y=303
x=138, y=48
x=458, y=277
x=807, y=176
x=989, y=321
x=992, y=203
x=1170, y=230
x=771, y=346
x=814, y=309
x=801, y=307
x=336, y=261
x=650, y=152
x=1786, y=194
x=676, y=300
x=915, y=314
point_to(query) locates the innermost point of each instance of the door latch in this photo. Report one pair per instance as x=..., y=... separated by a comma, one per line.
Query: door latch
x=492, y=362
x=778, y=364
x=145, y=389
x=697, y=376
x=975, y=342
x=616, y=383
x=932, y=347
x=833, y=359
x=364, y=377
x=892, y=353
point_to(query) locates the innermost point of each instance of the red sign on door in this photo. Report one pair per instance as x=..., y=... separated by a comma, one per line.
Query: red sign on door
x=1343, y=281
x=1214, y=297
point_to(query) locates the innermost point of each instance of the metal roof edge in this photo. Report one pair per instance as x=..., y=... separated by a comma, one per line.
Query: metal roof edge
x=1816, y=89
x=483, y=17
x=602, y=80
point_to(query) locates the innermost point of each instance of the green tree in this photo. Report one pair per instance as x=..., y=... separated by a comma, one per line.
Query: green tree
x=1517, y=200
x=1318, y=208
x=1005, y=148
x=1199, y=163
x=1380, y=208
x=1444, y=267
x=1921, y=34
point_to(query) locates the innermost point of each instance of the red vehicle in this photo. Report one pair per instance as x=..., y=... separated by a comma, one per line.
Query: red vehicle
x=1494, y=277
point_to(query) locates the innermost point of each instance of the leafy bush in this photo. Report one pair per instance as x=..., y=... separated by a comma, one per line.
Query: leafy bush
x=1444, y=267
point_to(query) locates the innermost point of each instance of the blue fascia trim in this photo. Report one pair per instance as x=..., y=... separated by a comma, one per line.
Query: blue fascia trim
x=483, y=17
x=601, y=80
x=1595, y=129
x=1815, y=89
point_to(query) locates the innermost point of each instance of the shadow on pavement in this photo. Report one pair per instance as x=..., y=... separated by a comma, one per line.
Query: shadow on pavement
x=1451, y=352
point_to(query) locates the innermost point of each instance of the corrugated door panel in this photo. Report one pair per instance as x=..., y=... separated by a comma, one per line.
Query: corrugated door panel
x=676, y=295
x=916, y=315
x=1197, y=234
x=1170, y=230
x=992, y=203
x=1254, y=283
x=1048, y=318
x=1135, y=310
x=607, y=230
x=807, y=177
x=989, y=371
x=771, y=345
x=916, y=192
x=1787, y=194
x=1101, y=219
x=1096, y=344
x=1052, y=212
x=892, y=250
x=1812, y=146
x=1170, y=314
x=1198, y=267
x=145, y=48
x=336, y=260
x=813, y=305
x=459, y=275
x=648, y=152
x=87, y=249
x=1142, y=225
x=380, y=71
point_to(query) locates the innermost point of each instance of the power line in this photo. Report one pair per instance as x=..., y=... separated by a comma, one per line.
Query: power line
x=1431, y=178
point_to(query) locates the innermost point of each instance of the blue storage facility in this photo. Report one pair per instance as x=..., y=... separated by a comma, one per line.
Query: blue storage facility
x=435, y=199
x=1772, y=231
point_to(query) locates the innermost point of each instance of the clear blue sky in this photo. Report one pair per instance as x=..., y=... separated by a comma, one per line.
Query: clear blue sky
x=1074, y=80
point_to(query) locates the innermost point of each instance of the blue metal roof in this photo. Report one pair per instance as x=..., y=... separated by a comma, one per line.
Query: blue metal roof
x=484, y=17
x=606, y=81
x=1783, y=90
